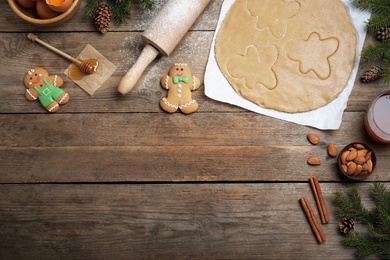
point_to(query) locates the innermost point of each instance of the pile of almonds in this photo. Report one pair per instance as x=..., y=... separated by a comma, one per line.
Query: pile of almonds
x=356, y=161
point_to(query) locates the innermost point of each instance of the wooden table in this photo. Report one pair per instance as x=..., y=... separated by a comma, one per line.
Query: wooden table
x=114, y=177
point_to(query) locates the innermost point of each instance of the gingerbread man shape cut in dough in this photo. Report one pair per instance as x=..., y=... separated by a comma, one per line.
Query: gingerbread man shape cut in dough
x=46, y=88
x=179, y=83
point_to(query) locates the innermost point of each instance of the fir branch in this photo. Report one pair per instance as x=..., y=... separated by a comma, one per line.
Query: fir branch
x=385, y=67
x=363, y=245
x=380, y=195
x=375, y=51
x=148, y=4
x=120, y=9
x=380, y=7
x=364, y=5
x=350, y=205
x=380, y=18
x=378, y=21
x=377, y=221
x=376, y=234
x=92, y=5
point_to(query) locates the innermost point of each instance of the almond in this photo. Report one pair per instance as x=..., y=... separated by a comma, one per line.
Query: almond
x=365, y=167
x=332, y=150
x=344, y=168
x=359, y=146
x=313, y=139
x=368, y=155
x=314, y=161
x=369, y=166
x=359, y=160
x=356, y=161
x=352, y=155
x=358, y=170
x=344, y=157
x=362, y=152
x=351, y=168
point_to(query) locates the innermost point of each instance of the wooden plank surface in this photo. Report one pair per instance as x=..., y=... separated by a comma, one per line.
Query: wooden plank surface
x=165, y=221
x=115, y=177
x=157, y=147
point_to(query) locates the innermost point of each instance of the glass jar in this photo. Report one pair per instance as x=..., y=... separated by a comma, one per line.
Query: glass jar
x=377, y=118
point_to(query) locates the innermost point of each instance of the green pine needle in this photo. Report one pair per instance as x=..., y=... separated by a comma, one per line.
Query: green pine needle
x=91, y=7
x=375, y=51
x=376, y=238
x=148, y=4
x=120, y=9
x=380, y=18
x=386, y=68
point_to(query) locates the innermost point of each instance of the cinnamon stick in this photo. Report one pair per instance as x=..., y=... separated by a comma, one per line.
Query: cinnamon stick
x=315, y=226
x=315, y=185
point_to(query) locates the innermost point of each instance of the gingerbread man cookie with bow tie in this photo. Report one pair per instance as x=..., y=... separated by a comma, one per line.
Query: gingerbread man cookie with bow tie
x=179, y=83
x=45, y=88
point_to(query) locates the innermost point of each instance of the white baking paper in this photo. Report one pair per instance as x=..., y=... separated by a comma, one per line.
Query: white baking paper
x=328, y=117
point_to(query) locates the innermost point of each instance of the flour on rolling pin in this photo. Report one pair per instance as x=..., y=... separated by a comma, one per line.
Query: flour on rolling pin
x=172, y=23
x=162, y=36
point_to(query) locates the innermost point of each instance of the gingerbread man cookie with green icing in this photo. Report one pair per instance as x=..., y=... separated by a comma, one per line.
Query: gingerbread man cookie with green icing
x=45, y=88
x=179, y=83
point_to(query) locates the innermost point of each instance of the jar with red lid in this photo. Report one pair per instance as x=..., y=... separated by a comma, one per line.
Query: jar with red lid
x=377, y=118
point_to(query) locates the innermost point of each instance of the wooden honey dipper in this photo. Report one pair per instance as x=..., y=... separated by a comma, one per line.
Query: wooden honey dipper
x=85, y=66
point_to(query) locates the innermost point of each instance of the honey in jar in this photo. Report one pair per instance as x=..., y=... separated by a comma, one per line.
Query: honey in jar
x=377, y=118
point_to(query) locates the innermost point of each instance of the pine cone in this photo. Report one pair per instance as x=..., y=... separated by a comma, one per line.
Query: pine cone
x=383, y=34
x=102, y=18
x=346, y=225
x=372, y=74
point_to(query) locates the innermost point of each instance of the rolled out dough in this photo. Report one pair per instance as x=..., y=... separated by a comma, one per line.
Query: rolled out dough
x=287, y=55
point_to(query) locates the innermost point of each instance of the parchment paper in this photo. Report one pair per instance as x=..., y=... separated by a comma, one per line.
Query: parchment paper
x=91, y=83
x=328, y=117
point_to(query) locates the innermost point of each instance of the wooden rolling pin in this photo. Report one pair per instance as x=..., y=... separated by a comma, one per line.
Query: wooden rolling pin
x=162, y=36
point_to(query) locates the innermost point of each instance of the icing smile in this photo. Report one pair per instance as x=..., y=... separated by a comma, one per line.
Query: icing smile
x=36, y=80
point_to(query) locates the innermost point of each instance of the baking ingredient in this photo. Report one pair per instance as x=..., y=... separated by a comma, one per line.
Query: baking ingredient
x=60, y=6
x=316, y=188
x=75, y=72
x=332, y=150
x=44, y=11
x=26, y=3
x=314, y=161
x=356, y=161
x=315, y=226
x=56, y=2
x=290, y=56
x=376, y=118
x=313, y=138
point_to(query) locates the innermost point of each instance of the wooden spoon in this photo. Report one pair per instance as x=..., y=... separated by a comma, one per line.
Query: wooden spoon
x=85, y=66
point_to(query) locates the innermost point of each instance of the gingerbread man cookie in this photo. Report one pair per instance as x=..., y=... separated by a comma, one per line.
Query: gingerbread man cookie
x=179, y=84
x=45, y=88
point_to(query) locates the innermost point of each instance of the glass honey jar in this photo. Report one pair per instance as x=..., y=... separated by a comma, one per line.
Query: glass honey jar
x=377, y=118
